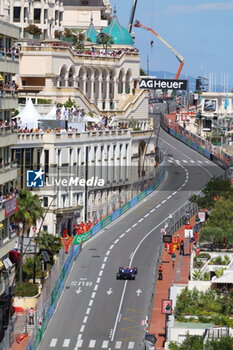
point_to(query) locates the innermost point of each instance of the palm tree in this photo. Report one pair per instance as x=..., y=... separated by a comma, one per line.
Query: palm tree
x=29, y=212
x=48, y=242
x=105, y=40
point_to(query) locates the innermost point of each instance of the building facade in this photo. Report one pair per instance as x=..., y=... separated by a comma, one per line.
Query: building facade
x=124, y=161
x=77, y=13
x=9, y=66
x=45, y=14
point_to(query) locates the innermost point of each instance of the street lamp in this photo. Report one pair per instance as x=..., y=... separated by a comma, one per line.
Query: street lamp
x=173, y=267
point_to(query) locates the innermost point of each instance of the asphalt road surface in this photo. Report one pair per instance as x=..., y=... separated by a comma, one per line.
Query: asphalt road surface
x=96, y=311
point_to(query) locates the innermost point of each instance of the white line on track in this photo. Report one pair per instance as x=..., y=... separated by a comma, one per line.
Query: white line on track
x=158, y=205
x=88, y=311
x=105, y=259
x=129, y=229
x=134, y=224
x=98, y=280
x=85, y=319
x=93, y=295
x=116, y=241
x=108, y=252
x=102, y=266
x=123, y=234
x=90, y=303
x=145, y=216
x=101, y=273
x=152, y=210
x=140, y=220
x=82, y=328
x=111, y=246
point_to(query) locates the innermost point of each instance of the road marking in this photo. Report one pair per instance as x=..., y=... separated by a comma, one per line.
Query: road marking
x=158, y=205
x=131, y=345
x=105, y=259
x=82, y=328
x=122, y=235
x=199, y=161
x=66, y=343
x=53, y=343
x=92, y=344
x=98, y=280
x=138, y=292
x=79, y=344
x=118, y=344
x=102, y=266
x=116, y=241
x=174, y=193
x=105, y=344
x=206, y=161
x=90, y=303
x=101, y=273
x=140, y=220
x=88, y=311
x=79, y=290
x=93, y=295
x=169, y=197
x=109, y=292
x=85, y=319
x=108, y=252
x=129, y=229
x=163, y=201
x=134, y=224
x=185, y=161
x=192, y=161
x=145, y=216
x=151, y=211
x=96, y=286
x=111, y=246
x=177, y=160
x=170, y=161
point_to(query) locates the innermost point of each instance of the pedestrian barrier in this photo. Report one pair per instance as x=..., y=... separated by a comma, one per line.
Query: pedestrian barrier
x=116, y=214
x=53, y=299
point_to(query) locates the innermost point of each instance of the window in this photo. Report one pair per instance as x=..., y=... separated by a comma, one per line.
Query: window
x=45, y=228
x=16, y=14
x=45, y=202
x=37, y=13
x=85, y=2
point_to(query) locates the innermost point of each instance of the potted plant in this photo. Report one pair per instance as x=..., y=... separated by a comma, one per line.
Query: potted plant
x=33, y=30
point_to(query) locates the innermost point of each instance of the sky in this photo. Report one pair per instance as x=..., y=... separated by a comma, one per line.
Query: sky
x=200, y=31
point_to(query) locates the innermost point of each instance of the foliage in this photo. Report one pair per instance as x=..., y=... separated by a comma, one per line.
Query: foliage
x=68, y=33
x=142, y=72
x=33, y=29
x=209, y=306
x=57, y=34
x=16, y=112
x=195, y=342
x=48, y=242
x=70, y=103
x=28, y=267
x=219, y=272
x=44, y=101
x=197, y=275
x=219, y=260
x=215, y=188
x=27, y=289
x=105, y=40
x=29, y=212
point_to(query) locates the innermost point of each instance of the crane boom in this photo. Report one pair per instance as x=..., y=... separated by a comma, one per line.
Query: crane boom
x=178, y=56
x=132, y=15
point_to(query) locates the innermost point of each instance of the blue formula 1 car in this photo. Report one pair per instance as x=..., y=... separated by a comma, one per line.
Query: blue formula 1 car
x=126, y=273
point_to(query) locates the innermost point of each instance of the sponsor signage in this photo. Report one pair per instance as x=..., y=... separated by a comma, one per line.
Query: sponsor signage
x=10, y=206
x=158, y=84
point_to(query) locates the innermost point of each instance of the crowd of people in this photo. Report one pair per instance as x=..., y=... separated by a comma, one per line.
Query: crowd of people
x=8, y=195
x=78, y=229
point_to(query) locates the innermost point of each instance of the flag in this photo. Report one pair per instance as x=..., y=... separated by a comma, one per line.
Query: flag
x=227, y=102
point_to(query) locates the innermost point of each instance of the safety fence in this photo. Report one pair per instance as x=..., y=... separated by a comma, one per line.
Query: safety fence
x=216, y=154
x=116, y=214
x=51, y=293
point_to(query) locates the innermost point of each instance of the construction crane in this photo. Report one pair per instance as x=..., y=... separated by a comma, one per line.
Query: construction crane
x=132, y=16
x=178, y=56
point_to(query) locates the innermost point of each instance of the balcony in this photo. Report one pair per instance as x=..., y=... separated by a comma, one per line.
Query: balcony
x=8, y=99
x=7, y=278
x=9, y=63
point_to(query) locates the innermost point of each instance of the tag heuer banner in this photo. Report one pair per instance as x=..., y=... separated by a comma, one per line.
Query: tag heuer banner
x=159, y=84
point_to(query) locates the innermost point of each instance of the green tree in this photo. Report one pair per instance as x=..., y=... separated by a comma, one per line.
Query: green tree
x=215, y=188
x=142, y=72
x=29, y=212
x=48, y=242
x=195, y=342
x=105, y=40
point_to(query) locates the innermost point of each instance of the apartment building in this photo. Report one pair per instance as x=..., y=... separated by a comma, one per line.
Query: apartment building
x=9, y=66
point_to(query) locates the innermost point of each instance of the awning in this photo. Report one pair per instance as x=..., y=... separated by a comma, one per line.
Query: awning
x=226, y=278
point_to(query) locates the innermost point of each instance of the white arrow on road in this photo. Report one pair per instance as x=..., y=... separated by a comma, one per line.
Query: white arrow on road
x=79, y=290
x=138, y=292
x=110, y=291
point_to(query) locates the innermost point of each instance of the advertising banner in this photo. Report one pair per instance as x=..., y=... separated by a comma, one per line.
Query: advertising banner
x=10, y=206
x=166, y=307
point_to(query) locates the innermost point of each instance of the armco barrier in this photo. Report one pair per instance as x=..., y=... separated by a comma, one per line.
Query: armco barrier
x=116, y=214
x=55, y=295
